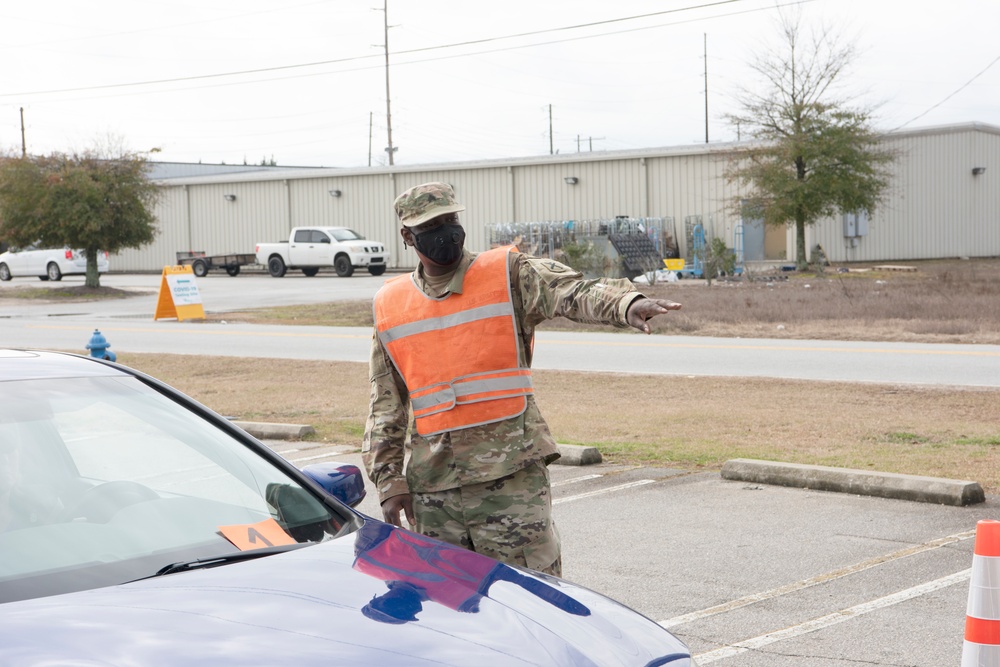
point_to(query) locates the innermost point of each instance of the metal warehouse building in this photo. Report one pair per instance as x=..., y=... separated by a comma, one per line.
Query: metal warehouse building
x=943, y=201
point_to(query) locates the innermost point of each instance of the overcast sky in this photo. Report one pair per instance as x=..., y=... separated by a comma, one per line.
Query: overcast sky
x=303, y=82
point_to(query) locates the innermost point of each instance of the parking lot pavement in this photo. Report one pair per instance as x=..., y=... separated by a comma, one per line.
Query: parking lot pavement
x=752, y=574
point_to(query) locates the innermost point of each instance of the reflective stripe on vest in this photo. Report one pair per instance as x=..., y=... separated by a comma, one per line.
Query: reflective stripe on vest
x=437, y=398
x=433, y=323
x=457, y=354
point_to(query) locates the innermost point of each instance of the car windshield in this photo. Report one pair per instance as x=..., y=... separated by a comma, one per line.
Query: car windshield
x=346, y=235
x=104, y=480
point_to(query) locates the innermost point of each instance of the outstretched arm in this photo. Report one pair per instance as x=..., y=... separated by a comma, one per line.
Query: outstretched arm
x=642, y=310
x=548, y=289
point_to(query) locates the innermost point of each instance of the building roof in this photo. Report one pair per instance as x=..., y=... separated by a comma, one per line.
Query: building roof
x=159, y=171
x=250, y=173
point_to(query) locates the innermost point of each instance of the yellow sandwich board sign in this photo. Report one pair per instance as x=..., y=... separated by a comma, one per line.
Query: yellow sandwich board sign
x=179, y=295
x=674, y=264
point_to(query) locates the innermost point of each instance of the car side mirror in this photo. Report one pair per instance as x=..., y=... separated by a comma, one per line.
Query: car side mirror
x=325, y=239
x=343, y=481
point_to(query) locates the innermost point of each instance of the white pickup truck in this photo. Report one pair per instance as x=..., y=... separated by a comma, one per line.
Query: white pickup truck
x=310, y=249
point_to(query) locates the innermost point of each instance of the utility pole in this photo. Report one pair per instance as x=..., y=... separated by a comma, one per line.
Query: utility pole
x=590, y=141
x=550, y=130
x=24, y=146
x=370, y=114
x=706, y=86
x=388, y=106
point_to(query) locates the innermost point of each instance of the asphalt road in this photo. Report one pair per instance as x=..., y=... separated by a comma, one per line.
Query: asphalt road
x=748, y=575
x=128, y=325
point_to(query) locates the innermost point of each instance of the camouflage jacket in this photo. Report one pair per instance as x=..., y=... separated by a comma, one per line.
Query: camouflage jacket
x=542, y=289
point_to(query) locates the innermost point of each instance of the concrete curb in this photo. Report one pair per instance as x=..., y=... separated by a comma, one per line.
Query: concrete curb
x=570, y=455
x=578, y=455
x=265, y=431
x=861, y=482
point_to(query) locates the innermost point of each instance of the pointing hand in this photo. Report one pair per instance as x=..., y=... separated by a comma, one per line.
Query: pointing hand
x=642, y=310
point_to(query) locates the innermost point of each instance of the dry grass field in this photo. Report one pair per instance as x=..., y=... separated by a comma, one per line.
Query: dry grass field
x=940, y=301
x=699, y=423
x=952, y=301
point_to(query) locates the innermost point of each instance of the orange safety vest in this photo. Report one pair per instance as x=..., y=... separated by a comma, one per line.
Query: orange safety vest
x=458, y=354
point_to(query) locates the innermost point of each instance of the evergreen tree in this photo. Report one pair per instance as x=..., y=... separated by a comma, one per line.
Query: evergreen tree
x=79, y=201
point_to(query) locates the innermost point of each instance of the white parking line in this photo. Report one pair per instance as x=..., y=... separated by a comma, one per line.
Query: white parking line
x=582, y=478
x=599, y=492
x=832, y=619
x=818, y=579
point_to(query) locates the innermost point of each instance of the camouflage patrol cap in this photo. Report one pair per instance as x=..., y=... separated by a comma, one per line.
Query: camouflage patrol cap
x=423, y=202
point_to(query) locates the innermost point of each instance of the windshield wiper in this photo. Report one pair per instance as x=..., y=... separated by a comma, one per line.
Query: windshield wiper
x=225, y=559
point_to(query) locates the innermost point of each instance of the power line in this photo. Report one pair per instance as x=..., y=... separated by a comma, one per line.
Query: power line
x=284, y=9
x=956, y=92
x=420, y=50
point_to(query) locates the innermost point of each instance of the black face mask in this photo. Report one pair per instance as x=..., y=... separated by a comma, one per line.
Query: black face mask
x=443, y=245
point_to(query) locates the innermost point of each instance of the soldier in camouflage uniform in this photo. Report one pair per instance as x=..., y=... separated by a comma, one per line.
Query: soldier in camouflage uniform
x=484, y=486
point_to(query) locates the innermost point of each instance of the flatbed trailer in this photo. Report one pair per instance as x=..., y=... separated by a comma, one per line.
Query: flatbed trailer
x=201, y=263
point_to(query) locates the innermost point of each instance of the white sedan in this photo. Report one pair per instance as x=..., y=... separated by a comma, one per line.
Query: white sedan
x=48, y=263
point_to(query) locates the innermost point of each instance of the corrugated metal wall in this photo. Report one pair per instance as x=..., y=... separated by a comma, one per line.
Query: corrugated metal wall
x=684, y=186
x=935, y=206
x=260, y=212
x=604, y=189
x=173, y=234
x=364, y=205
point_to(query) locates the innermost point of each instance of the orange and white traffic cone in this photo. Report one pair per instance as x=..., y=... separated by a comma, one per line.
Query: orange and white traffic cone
x=982, y=616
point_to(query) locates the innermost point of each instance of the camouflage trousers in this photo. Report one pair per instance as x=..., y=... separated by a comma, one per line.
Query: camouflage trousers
x=509, y=519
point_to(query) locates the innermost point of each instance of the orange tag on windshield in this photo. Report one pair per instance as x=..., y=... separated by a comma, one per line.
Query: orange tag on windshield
x=250, y=536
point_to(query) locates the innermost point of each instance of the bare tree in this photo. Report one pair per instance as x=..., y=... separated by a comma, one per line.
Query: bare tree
x=811, y=154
